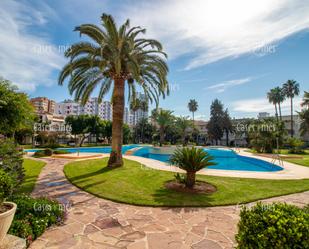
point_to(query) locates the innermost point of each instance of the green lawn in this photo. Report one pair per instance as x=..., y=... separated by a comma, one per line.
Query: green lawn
x=32, y=171
x=304, y=161
x=138, y=185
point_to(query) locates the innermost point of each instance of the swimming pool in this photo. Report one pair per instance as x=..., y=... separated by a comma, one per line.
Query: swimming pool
x=105, y=149
x=226, y=160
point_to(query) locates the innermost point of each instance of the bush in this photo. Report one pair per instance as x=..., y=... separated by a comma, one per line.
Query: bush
x=11, y=161
x=61, y=152
x=295, y=145
x=6, y=186
x=43, y=153
x=277, y=226
x=33, y=216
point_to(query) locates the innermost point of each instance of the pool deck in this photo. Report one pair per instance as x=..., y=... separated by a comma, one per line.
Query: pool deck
x=290, y=170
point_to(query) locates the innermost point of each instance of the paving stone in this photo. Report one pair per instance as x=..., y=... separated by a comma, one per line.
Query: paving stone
x=209, y=244
x=94, y=223
x=106, y=223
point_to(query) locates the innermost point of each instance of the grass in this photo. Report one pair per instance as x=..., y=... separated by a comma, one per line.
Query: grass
x=32, y=171
x=303, y=161
x=135, y=184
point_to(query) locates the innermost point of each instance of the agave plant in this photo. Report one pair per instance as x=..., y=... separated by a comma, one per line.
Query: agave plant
x=191, y=160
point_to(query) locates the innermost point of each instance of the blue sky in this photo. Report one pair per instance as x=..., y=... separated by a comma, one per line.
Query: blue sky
x=231, y=50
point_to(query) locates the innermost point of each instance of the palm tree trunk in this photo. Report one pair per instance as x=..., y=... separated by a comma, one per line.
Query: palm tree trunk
x=292, y=131
x=115, y=159
x=280, y=111
x=190, y=181
x=161, y=136
x=227, y=137
x=276, y=112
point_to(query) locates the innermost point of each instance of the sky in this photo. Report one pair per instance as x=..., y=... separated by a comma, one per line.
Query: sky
x=231, y=50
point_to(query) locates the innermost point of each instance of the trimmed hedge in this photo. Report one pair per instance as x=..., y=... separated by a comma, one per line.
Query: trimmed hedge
x=276, y=226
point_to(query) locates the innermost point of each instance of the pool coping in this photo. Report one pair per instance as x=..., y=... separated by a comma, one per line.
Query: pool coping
x=290, y=170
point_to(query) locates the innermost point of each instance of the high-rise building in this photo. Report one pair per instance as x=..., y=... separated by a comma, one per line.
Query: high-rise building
x=139, y=114
x=43, y=105
x=105, y=110
x=68, y=107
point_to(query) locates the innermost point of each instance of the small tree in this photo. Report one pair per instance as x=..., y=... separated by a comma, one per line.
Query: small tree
x=191, y=160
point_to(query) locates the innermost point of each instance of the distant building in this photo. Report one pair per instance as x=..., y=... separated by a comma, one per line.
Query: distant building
x=139, y=114
x=43, y=105
x=92, y=107
x=68, y=107
x=105, y=110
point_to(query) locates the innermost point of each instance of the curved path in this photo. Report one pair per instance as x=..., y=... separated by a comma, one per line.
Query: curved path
x=97, y=223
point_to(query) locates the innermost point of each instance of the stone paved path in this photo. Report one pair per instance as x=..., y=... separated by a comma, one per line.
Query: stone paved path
x=97, y=223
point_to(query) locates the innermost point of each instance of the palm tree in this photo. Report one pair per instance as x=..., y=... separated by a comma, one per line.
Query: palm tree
x=191, y=160
x=134, y=107
x=305, y=99
x=304, y=125
x=272, y=99
x=193, y=106
x=291, y=89
x=163, y=118
x=115, y=58
x=183, y=123
x=279, y=97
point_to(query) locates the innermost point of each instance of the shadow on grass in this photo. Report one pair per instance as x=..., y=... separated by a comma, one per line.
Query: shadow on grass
x=188, y=202
x=94, y=173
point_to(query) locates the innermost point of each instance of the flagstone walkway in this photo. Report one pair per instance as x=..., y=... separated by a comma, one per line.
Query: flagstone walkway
x=97, y=223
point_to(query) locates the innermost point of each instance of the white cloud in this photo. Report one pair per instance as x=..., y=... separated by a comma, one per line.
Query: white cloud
x=254, y=106
x=27, y=60
x=213, y=30
x=221, y=87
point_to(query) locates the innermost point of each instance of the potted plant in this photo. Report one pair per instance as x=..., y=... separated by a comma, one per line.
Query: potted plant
x=7, y=209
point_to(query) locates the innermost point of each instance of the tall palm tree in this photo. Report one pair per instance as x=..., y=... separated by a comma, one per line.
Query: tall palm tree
x=163, y=118
x=279, y=97
x=272, y=99
x=193, y=106
x=291, y=89
x=304, y=125
x=305, y=99
x=118, y=58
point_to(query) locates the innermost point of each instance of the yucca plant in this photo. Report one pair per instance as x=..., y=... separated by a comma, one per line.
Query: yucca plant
x=191, y=160
x=114, y=58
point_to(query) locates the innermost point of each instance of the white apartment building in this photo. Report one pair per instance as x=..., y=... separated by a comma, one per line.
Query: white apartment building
x=67, y=108
x=139, y=114
x=104, y=109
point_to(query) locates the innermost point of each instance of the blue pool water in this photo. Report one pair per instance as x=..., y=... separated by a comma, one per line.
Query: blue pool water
x=225, y=159
x=106, y=149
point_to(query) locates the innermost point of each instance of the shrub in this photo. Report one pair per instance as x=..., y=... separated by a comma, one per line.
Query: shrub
x=11, y=160
x=43, y=153
x=295, y=145
x=61, y=152
x=6, y=186
x=33, y=216
x=191, y=160
x=277, y=226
